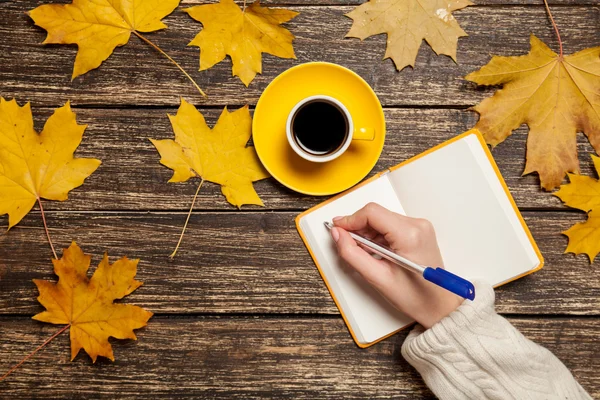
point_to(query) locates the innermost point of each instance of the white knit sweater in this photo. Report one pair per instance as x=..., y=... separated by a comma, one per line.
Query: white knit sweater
x=476, y=354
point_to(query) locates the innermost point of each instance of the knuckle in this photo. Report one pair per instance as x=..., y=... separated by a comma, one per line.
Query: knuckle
x=424, y=226
x=412, y=237
x=420, y=231
x=371, y=207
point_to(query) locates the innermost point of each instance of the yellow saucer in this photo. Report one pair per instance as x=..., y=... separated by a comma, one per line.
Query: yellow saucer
x=269, y=136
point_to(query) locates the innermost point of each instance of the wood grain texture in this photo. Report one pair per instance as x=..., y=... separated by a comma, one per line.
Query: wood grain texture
x=300, y=3
x=136, y=75
x=131, y=178
x=242, y=311
x=252, y=263
x=253, y=358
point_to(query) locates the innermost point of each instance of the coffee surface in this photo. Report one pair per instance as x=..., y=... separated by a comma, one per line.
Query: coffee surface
x=320, y=127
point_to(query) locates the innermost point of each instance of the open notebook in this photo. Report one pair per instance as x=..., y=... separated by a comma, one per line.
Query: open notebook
x=458, y=187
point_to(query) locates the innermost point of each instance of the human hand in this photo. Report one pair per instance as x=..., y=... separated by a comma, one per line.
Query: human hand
x=412, y=238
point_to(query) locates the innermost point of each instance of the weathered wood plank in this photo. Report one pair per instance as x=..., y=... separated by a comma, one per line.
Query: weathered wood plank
x=298, y=4
x=131, y=178
x=252, y=263
x=253, y=358
x=137, y=75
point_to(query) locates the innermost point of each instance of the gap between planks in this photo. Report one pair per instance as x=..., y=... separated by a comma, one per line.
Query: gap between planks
x=253, y=211
x=356, y=3
x=202, y=106
x=314, y=316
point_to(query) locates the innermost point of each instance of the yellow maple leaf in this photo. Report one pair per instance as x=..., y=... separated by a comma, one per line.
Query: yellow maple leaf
x=36, y=166
x=556, y=96
x=219, y=155
x=407, y=23
x=86, y=304
x=99, y=26
x=583, y=193
x=242, y=34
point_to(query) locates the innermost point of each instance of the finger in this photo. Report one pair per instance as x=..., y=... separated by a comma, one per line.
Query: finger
x=380, y=240
x=375, y=238
x=368, y=233
x=372, y=215
x=374, y=271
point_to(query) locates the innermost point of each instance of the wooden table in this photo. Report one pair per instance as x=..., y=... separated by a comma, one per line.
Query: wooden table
x=242, y=311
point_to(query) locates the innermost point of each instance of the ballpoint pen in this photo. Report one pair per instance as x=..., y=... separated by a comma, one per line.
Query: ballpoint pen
x=438, y=276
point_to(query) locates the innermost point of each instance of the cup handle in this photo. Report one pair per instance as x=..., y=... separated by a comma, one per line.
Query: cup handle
x=363, y=134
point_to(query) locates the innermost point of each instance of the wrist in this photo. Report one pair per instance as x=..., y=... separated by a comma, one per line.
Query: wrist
x=441, y=308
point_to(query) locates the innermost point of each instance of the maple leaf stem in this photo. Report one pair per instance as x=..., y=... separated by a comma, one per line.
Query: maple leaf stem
x=555, y=27
x=171, y=59
x=46, y=228
x=10, y=371
x=244, y=9
x=187, y=220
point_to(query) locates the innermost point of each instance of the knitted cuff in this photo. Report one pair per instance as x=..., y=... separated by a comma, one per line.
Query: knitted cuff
x=440, y=354
x=474, y=353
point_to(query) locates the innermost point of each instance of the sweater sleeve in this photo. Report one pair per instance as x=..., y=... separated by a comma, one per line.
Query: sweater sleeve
x=474, y=353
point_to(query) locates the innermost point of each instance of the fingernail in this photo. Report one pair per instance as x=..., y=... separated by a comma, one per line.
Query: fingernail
x=335, y=234
x=337, y=219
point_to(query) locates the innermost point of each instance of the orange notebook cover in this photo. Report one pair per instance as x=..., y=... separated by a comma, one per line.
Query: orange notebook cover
x=458, y=187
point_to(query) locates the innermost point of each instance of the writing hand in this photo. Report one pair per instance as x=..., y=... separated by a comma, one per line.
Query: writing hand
x=412, y=238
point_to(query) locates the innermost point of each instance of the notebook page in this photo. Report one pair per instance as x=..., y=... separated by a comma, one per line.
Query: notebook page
x=370, y=316
x=478, y=232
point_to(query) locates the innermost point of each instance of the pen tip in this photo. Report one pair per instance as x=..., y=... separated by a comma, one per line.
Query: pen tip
x=328, y=224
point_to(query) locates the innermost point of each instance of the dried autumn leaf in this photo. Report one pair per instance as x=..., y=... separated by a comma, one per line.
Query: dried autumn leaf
x=219, y=155
x=86, y=304
x=407, y=23
x=555, y=96
x=36, y=166
x=97, y=27
x=583, y=193
x=242, y=34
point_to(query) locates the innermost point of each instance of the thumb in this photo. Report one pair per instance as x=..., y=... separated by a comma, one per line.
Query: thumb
x=374, y=271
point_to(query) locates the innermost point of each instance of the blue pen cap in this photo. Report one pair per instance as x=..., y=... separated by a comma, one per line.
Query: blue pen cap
x=451, y=282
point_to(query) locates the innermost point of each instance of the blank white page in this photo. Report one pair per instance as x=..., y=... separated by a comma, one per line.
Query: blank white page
x=370, y=316
x=478, y=231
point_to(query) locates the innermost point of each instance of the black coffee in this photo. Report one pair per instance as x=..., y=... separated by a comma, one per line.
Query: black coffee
x=320, y=127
